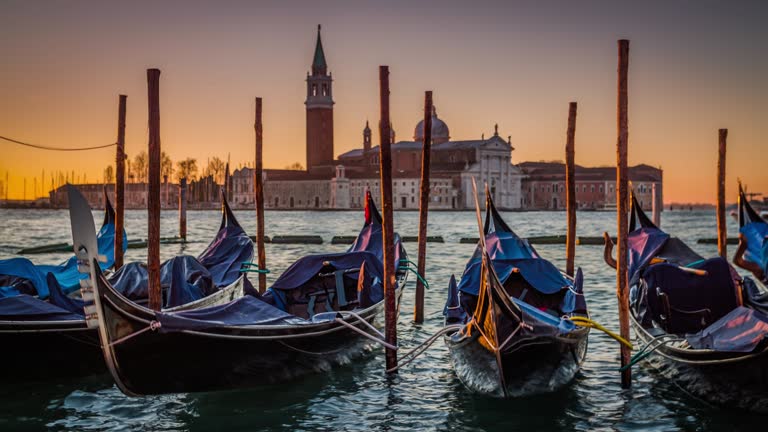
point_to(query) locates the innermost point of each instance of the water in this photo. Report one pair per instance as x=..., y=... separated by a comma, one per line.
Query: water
x=424, y=396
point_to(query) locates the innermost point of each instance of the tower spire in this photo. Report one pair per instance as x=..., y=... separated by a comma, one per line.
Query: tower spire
x=319, y=67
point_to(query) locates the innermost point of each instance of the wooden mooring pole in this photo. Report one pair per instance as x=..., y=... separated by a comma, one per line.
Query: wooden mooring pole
x=426, y=151
x=183, y=208
x=385, y=170
x=153, y=192
x=656, y=203
x=622, y=202
x=120, y=183
x=570, y=190
x=722, y=231
x=258, y=186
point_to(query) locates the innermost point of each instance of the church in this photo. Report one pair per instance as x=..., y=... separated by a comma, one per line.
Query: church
x=340, y=183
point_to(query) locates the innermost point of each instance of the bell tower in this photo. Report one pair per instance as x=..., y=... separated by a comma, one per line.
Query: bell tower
x=366, y=137
x=319, y=110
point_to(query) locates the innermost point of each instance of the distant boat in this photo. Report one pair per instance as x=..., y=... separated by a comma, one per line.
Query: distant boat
x=510, y=332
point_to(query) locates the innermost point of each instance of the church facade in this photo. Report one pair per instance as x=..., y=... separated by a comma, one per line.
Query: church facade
x=340, y=183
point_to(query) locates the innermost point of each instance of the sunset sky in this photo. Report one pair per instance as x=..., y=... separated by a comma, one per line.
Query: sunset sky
x=695, y=66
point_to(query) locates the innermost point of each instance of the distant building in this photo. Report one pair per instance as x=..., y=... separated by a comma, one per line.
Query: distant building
x=341, y=183
x=544, y=186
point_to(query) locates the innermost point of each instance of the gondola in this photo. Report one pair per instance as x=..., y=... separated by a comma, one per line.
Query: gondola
x=693, y=318
x=514, y=335
x=752, y=253
x=319, y=313
x=50, y=338
x=21, y=276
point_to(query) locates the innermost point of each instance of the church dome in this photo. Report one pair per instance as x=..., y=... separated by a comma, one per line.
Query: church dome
x=440, y=132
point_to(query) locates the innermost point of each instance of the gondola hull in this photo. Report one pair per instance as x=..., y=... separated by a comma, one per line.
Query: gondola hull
x=154, y=362
x=68, y=349
x=534, y=366
x=733, y=380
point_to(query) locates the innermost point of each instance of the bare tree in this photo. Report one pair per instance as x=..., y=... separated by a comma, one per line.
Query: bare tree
x=216, y=169
x=166, y=165
x=296, y=166
x=109, y=174
x=140, y=166
x=187, y=169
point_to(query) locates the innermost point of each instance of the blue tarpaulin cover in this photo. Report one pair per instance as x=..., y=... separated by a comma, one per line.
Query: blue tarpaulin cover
x=21, y=272
x=184, y=278
x=246, y=310
x=756, y=234
x=510, y=254
x=741, y=330
x=269, y=309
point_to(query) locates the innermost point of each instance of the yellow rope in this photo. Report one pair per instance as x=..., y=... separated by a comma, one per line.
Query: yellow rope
x=586, y=322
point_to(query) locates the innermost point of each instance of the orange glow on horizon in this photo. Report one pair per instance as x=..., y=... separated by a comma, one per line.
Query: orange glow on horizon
x=512, y=65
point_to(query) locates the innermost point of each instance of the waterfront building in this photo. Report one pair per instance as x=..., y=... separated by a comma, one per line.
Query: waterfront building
x=544, y=186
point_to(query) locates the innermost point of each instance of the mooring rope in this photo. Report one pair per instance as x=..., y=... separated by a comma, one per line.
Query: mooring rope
x=153, y=325
x=422, y=347
x=586, y=322
x=42, y=147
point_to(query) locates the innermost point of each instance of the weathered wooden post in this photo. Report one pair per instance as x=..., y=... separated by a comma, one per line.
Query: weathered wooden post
x=385, y=170
x=120, y=183
x=622, y=202
x=258, y=186
x=183, y=209
x=426, y=151
x=722, y=231
x=570, y=190
x=153, y=192
x=657, y=204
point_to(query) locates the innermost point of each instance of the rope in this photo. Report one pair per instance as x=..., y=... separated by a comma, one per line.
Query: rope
x=643, y=353
x=42, y=147
x=422, y=347
x=153, y=325
x=362, y=332
x=586, y=322
x=407, y=266
x=251, y=270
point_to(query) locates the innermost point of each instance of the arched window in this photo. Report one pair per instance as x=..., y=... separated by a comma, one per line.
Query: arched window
x=291, y=202
x=325, y=89
x=317, y=202
x=314, y=89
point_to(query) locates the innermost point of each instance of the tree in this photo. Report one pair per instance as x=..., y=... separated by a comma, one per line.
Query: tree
x=296, y=166
x=109, y=174
x=140, y=166
x=216, y=169
x=166, y=165
x=186, y=169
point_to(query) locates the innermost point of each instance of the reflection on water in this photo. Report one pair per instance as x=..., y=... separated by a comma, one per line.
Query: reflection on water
x=424, y=396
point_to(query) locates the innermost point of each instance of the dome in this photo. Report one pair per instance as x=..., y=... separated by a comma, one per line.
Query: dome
x=440, y=132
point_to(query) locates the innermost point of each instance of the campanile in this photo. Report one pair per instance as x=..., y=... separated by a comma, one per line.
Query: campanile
x=319, y=110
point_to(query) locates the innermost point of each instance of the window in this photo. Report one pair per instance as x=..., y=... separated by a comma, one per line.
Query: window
x=601, y=188
x=277, y=201
x=592, y=189
x=413, y=199
x=314, y=89
x=325, y=89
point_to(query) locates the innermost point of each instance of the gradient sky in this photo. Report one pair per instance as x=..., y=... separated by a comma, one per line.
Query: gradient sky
x=695, y=66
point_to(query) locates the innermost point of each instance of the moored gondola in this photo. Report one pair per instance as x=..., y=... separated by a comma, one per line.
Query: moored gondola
x=50, y=338
x=321, y=312
x=692, y=316
x=513, y=313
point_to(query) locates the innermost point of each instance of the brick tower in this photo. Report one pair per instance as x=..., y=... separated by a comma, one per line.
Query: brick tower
x=319, y=111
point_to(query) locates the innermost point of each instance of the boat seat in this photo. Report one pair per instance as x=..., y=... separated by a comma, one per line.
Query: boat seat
x=682, y=302
x=340, y=294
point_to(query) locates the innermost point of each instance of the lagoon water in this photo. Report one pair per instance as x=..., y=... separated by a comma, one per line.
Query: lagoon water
x=425, y=395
